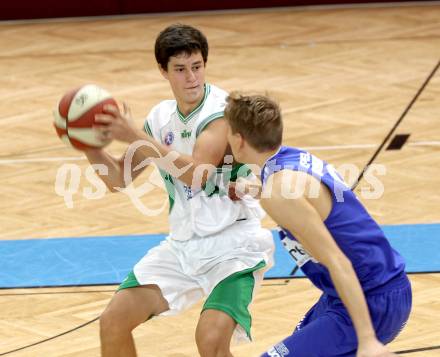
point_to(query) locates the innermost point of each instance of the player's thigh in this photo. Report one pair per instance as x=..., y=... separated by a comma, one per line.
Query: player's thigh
x=390, y=312
x=132, y=306
x=233, y=295
x=326, y=336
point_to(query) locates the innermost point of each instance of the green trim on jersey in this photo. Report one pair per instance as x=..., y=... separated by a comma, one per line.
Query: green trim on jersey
x=148, y=129
x=207, y=121
x=186, y=119
x=167, y=178
x=129, y=282
x=240, y=170
x=233, y=296
x=169, y=185
x=211, y=186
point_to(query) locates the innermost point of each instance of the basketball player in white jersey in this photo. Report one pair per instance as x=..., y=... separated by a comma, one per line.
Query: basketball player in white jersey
x=216, y=247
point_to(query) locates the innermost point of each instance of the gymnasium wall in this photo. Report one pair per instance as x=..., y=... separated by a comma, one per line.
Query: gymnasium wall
x=25, y=9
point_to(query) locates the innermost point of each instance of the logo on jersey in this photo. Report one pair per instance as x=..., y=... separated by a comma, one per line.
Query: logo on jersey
x=188, y=191
x=300, y=323
x=295, y=249
x=185, y=134
x=169, y=138
x=279, y=350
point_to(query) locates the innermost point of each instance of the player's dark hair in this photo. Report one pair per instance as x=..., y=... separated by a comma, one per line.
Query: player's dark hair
x=177, y=39
x=257, y=118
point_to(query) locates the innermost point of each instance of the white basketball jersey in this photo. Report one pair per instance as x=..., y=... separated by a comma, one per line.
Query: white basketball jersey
x=210, y=210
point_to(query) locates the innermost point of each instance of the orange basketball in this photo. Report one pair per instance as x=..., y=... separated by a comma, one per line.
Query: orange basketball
x=75, y=116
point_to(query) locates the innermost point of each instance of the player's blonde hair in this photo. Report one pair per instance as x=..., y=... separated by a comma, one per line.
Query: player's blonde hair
x=257, y=118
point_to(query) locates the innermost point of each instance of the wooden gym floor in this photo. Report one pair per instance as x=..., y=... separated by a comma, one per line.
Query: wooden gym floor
x=343, y=76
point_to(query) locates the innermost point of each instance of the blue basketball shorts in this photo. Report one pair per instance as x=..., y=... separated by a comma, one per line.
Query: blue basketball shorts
x=327, y=331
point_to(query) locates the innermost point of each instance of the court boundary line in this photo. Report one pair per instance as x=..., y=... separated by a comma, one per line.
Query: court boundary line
x=414, y=350
x=408, y=351
x=50, y=338
x=286, y=282
x=422, y=143
x=116, y=284
x=396, y=124
x=421, y=349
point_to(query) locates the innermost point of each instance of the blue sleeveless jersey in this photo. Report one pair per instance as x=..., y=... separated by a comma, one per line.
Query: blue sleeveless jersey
x=376, y=263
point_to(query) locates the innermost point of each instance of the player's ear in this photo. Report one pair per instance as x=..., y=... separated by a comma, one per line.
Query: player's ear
x=242, y=141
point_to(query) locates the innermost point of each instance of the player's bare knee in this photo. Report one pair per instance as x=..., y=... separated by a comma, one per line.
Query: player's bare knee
x=112, y=323
x=212, y=343
x=108, y=323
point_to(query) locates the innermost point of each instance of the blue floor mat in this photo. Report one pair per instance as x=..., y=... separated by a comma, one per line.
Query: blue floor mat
x=107, y=260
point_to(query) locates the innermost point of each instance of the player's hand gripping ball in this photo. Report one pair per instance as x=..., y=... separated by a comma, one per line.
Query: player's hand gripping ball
x=74, y=118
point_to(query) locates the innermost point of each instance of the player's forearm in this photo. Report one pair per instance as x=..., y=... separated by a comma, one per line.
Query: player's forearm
x=350, y=291
x=181, y=166
x=253, y=188
x=191, y=172
x=112, y=176
x=244, y=186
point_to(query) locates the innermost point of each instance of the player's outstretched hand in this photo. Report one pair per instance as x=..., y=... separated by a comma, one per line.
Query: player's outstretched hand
x=373, y=349
x=242, y=187
x=117, y=125
x=233, y=194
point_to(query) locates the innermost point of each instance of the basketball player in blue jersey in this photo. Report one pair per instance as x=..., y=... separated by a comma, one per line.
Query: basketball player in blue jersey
x=366, y=295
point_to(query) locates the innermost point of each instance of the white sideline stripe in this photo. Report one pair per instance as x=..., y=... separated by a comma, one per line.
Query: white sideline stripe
x=366, y=146
x=308, y=148
x=46, y=159
x=424, y=143
x=340, y=147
